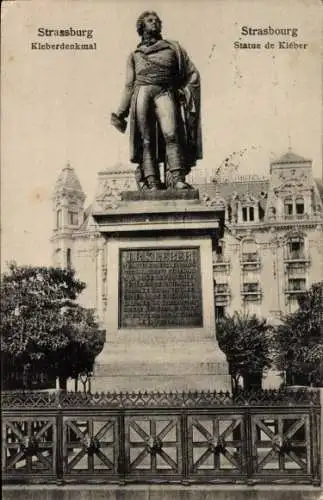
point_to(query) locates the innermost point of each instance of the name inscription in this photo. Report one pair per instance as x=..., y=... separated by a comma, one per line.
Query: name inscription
x=160, y=288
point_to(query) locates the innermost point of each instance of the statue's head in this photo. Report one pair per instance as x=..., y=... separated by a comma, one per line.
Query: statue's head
x=150, y=23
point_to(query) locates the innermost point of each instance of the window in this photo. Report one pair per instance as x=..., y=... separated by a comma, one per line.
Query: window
x=248, y=214
x=58, y=219
x=296, y=379
x=297, y=284
x=296, y=248
x=297, y=268
x=299, y=205
x=288, y=207
x=250, y=257
x=219, y=253
x=251, y=287
x=58, y=257
x=219, y=312
x=219, y=249
x=220, y=263
x=295, y=245
x=272, y=212
x=249, y=252
x=68, y=258
x=251, y=292
x=230, y=213
x=249, y=246
x=221, y=288
x=73, y=218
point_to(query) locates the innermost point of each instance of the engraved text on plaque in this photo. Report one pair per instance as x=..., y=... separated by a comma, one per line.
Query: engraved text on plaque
x=160, y=288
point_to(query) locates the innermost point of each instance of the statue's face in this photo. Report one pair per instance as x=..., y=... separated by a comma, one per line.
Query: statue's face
x=152, y=24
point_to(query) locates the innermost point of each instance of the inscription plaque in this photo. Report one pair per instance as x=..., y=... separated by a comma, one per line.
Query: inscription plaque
x=160, y=288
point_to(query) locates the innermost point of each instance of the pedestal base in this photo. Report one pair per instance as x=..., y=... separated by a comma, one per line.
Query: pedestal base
x=159, y=319
x=189, y=366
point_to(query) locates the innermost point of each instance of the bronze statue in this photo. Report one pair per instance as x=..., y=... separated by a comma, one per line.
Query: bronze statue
x=162, y=95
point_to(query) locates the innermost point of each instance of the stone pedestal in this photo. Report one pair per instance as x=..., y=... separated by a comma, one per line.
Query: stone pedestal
x=159, y=320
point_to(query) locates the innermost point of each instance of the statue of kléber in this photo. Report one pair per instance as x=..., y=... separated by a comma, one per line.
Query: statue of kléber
x=162, y=99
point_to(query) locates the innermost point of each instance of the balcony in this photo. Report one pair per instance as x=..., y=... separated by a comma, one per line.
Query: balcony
x=295, y=287
x=251, y=291
x=222, y=289
x=222, y=294
x=293, y=292
x=294, y=217
x=295, y=269
x=220, y=264
x=296, y=256
x=250, y=260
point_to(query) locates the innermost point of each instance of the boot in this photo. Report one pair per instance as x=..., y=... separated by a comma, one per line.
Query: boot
x=178, y=180
x=182, y=185
x=153, y=183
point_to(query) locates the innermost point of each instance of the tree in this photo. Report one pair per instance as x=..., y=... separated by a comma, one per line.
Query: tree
x=43, y=328
x=246, y=340
x=300, y=340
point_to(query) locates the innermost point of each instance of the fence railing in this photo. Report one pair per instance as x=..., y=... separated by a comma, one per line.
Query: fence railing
x=200, y=437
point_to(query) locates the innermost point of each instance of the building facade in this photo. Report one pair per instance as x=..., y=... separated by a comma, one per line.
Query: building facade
x=272, y=249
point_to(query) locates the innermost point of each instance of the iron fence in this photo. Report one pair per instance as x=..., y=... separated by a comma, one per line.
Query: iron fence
x=203, y=437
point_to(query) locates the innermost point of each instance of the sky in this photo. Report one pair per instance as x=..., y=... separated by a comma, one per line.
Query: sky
x=56, y=105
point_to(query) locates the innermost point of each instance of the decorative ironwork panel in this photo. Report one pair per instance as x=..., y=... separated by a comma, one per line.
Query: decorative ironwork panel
x=216, y=445
x=90, y=445
x=80, y=400
x=281, y=444
x=153, y=445
x=29, y=446
x=31, y=399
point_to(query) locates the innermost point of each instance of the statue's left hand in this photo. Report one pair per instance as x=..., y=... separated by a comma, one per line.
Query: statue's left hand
x=181, y=96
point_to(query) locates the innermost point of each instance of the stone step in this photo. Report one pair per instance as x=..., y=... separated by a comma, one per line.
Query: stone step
x=136, y=368
x=189, y=352
x=155, y=383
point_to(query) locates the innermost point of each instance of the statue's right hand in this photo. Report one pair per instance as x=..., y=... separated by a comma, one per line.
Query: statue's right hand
x=119, y=123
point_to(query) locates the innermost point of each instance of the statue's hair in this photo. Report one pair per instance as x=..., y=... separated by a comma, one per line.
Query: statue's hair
x=140, y=21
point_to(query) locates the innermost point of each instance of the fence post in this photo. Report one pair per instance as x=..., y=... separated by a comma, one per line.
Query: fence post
x=184, y=429
x=315, y=438
x=320, y=435
x=122, y=455
x=59, y=441
x=249, y=445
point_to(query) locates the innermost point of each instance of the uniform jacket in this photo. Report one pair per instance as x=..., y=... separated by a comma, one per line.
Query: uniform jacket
x=187, y=95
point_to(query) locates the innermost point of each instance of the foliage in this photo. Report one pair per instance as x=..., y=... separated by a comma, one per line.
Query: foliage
x=43, y=328
x=247, y=342
x=300, y=340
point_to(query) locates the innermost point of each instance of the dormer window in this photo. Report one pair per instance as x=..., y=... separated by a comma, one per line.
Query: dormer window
x=73, y=218
x=299, y=203
x=295, y=245
x=272, y=212
x=288, y=207
x=248, y=214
